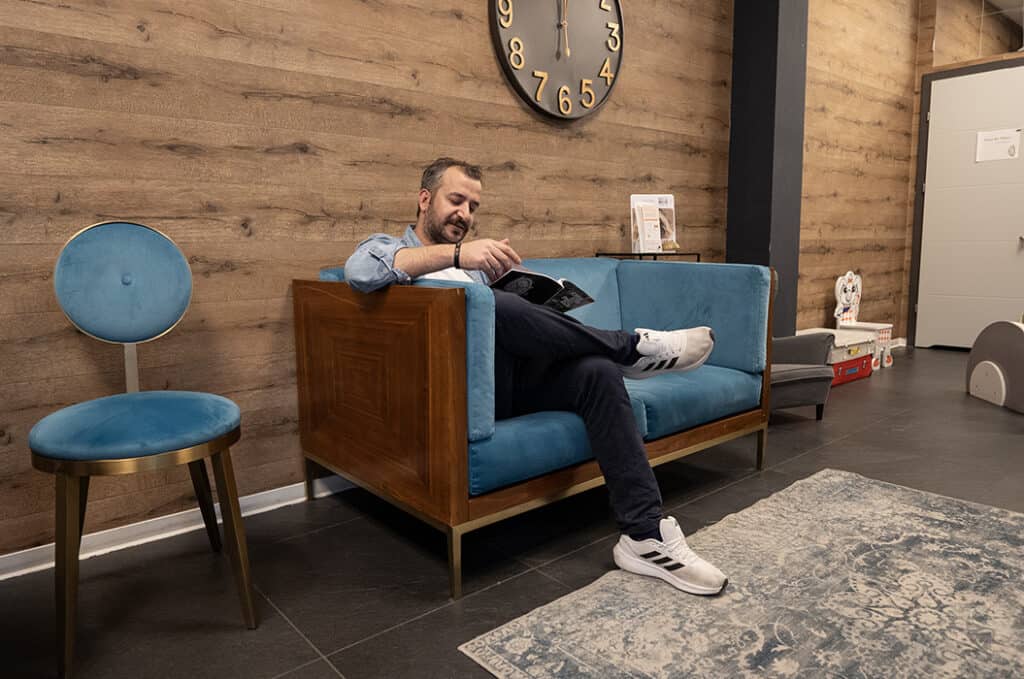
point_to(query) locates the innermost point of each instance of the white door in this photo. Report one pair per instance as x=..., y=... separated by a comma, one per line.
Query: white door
x=972, y=242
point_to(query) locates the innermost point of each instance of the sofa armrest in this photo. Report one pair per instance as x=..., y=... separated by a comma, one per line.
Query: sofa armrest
x=479, y=348
x=813, y=348
x=381, y=400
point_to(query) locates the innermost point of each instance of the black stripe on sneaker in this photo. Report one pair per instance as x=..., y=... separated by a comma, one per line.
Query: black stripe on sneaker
x=664, y=559
x=661, y=365
x=650, y=555
x=674, y=567
x=648, y=367
x=672, y=363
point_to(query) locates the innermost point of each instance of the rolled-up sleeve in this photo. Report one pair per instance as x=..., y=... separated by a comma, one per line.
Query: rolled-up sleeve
x=372, y=266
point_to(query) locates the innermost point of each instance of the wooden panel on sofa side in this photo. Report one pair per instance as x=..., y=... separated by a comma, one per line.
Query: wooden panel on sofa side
x=382, y=390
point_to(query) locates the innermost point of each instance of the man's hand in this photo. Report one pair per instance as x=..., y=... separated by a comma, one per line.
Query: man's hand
x=493, y=257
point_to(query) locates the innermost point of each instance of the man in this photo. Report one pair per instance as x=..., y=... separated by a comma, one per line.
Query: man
x=544, y=360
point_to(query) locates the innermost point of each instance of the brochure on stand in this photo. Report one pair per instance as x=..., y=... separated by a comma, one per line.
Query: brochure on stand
x=539, y=288
x=653, y=222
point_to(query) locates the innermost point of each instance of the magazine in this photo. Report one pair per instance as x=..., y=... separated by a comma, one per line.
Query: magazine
x=653, y=222
x=539, y=288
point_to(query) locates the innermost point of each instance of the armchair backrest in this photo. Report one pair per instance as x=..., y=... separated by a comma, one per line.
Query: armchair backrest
x=122, y=282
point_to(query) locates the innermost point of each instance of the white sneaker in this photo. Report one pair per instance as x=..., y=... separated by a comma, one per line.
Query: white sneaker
x=670, y=559
x=670, y=350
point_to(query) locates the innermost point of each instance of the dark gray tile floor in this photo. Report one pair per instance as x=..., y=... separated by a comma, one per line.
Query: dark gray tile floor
x=348, y=586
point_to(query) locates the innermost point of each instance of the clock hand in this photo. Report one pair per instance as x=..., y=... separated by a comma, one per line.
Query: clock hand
x=564, y=24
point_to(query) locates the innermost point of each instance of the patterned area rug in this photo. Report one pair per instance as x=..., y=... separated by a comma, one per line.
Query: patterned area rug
x=836, y=576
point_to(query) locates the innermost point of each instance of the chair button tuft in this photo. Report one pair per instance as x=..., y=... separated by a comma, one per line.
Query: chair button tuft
x=126, y=279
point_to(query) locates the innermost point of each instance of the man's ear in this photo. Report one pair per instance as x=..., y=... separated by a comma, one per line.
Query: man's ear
x=424, y=200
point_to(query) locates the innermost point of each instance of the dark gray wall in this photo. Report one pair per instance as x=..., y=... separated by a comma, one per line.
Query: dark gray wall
x=766, y=135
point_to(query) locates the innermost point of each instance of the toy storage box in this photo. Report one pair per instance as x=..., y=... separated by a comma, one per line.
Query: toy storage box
x=852, y=355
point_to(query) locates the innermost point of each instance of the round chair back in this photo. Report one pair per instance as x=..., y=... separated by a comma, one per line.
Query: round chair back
x=122, y=282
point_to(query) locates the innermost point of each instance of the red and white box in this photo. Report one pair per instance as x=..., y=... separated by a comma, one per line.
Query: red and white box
x=852, y=355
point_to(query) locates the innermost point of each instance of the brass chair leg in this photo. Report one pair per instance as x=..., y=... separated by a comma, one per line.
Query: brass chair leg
x=234, y=532
x=70, y=498
x=762, y=442
x=83, y=496
x=455, y=561
x=201, y=484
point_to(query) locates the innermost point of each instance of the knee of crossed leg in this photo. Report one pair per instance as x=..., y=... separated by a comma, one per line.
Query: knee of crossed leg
x=600, y=374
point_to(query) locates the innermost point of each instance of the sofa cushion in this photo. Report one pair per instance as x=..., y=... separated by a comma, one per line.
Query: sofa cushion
x=800, y=372
x=527, y=446
x=731, y=298
x=532, y=445
x=674, y=402
x=597, y=278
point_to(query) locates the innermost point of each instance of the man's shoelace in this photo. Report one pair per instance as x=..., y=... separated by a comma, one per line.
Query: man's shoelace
x=680, y=551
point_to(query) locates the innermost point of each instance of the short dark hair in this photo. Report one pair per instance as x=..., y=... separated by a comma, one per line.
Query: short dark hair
x=432, y=173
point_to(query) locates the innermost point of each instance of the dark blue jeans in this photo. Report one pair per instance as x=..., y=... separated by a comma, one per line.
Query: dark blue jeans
x=545, y=360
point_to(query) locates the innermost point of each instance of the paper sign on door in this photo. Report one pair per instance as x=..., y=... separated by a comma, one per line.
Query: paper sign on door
x=998, y=145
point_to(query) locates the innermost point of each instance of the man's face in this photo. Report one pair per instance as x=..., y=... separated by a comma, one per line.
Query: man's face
x=448, y=215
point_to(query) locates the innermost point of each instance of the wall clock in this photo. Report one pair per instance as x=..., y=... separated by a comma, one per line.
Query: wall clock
x=562, y=57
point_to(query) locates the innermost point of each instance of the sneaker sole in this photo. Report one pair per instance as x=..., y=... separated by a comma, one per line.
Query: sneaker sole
x=641, y=375
x=632, y=564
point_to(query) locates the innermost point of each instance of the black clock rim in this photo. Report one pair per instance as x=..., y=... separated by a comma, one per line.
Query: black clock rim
x=524, y=96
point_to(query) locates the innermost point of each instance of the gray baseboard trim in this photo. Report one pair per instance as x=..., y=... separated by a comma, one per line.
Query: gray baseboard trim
x=93, y=544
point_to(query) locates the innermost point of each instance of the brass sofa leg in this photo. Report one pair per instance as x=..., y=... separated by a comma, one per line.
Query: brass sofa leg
x=70, y=498
x=234, y=532
x=311, y=468
x=762, y=442
x=455, y=561
x=201, y=485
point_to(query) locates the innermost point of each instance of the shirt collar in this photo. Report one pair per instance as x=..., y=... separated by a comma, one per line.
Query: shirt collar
x=411, y=238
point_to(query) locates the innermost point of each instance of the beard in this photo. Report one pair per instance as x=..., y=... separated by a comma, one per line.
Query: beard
x=444, y=229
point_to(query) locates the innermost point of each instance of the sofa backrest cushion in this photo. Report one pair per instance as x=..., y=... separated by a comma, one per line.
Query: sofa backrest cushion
x=730, y=298
x=597, y=278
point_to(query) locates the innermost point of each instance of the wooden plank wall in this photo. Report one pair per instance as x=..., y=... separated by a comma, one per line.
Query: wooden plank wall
x=857, y=144
x=267, y=137
x=971, y=29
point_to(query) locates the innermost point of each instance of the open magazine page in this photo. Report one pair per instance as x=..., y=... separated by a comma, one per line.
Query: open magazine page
x=568, y=298
x=540, y=288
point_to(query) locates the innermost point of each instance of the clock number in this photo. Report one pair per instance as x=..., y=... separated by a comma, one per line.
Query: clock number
x=564, y=102
x=614, y=42
x=516, y=58
x=505, y=10
x=606, y=71
x=604, y=5
x=543, y=81
x=587, y=90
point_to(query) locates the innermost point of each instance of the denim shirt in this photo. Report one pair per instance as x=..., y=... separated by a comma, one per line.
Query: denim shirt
x=372, y=266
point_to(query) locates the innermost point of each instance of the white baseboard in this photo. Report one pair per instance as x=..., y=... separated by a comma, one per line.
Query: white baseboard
x=104, y=541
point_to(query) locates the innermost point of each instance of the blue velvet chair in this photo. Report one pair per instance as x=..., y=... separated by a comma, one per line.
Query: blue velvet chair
x=126, y=283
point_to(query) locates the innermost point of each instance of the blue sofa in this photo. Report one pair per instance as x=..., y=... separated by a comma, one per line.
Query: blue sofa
x=396, y=388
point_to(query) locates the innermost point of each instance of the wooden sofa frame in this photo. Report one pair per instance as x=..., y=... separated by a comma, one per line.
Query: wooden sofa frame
x=382, y=403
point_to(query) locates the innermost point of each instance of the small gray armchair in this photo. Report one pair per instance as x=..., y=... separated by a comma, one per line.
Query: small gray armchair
x=801, y=375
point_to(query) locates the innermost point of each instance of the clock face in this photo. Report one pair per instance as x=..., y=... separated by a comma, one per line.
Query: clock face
x=561, y=56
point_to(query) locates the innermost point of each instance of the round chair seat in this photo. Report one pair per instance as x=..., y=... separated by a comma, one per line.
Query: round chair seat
x=133, y=425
